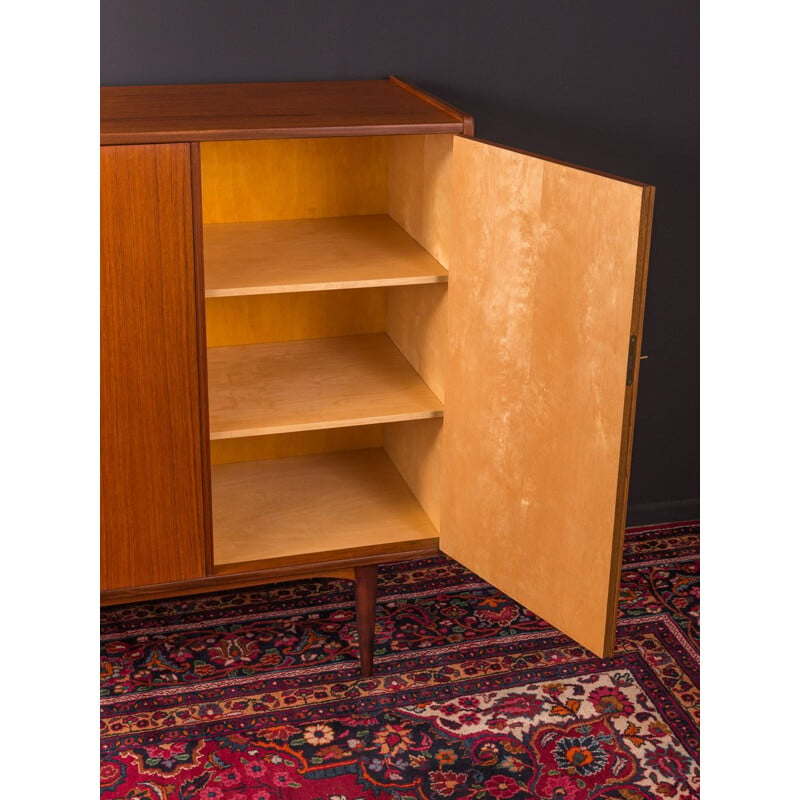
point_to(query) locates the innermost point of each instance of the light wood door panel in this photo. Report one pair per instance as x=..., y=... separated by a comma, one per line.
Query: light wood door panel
x=546, y=285
x=151, y=483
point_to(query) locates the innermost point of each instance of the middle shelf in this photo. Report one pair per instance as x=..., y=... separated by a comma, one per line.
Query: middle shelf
x=313, y=384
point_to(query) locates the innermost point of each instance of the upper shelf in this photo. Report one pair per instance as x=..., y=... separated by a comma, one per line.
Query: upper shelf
x=204, y=112
x=313, y=254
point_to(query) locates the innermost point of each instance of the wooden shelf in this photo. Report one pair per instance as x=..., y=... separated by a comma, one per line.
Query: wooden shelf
x=290, y=509
x=313, y=384
x=313, y=254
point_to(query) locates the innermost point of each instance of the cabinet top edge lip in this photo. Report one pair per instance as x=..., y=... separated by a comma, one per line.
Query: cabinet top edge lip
x=116, y=137
x=211, y=112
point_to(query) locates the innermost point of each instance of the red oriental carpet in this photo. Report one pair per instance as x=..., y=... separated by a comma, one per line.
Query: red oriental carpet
x=255, y=694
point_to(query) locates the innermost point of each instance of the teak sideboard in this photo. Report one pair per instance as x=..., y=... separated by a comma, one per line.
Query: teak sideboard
x=338, y=330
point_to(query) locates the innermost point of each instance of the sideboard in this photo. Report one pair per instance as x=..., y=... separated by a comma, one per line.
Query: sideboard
x=338, y=330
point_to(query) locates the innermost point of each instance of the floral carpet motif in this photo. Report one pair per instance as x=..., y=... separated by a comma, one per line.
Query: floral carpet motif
x=256, y=694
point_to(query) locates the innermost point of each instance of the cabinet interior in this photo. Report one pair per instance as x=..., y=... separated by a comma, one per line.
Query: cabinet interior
x=325, y=271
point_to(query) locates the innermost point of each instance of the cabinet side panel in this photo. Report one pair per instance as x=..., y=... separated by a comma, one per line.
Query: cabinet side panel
x=416, y=321
x=421, y=190
x=415, y=448
x=542, y=274
x=151, y=488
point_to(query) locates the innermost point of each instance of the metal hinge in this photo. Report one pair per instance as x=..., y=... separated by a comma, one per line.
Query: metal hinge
x=631, y=361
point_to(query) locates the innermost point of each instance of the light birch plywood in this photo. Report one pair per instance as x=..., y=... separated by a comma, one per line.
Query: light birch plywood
x=262, y=318
x=313, y=254
x=416, y=451
x=314, y=384
x=339, y=504
x=416, y=321
x=299, y=443
x=253, y=181
x=543, y=266
x=421, y=189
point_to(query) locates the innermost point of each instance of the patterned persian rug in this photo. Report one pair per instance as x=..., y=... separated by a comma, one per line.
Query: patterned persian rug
x=256, y=695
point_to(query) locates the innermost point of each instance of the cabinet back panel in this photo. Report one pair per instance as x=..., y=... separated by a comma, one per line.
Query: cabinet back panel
x=251, y=319
x=253, y=181
x=299, y=443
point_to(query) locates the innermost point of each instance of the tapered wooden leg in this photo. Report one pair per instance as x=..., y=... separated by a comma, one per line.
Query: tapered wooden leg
x=366, y=597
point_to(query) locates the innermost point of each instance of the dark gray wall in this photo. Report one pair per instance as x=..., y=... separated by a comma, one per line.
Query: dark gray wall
x=613, y=85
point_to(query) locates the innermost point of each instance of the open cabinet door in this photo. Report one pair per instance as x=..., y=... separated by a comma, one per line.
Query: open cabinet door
x=546, y=291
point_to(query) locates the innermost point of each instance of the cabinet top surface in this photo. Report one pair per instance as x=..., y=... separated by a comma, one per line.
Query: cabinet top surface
x=198, y=112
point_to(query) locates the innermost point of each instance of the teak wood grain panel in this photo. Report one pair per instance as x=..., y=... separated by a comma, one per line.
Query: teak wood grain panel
x=631, y=392
x=313, y=255
x=199, y=112
x=314, y=384
x=343, y=504
x=202, y=372
x=284, y=179
x=468, y=121
x=239, y=575
x=150, y=494
x=543, y=267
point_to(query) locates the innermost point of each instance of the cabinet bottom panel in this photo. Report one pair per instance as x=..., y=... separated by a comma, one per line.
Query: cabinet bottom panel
x=328, y=506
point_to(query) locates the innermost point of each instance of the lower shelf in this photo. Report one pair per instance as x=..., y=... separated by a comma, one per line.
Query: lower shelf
x=296, y=510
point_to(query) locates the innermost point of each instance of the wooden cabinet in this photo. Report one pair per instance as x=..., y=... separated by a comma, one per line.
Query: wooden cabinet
x=358, y=334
